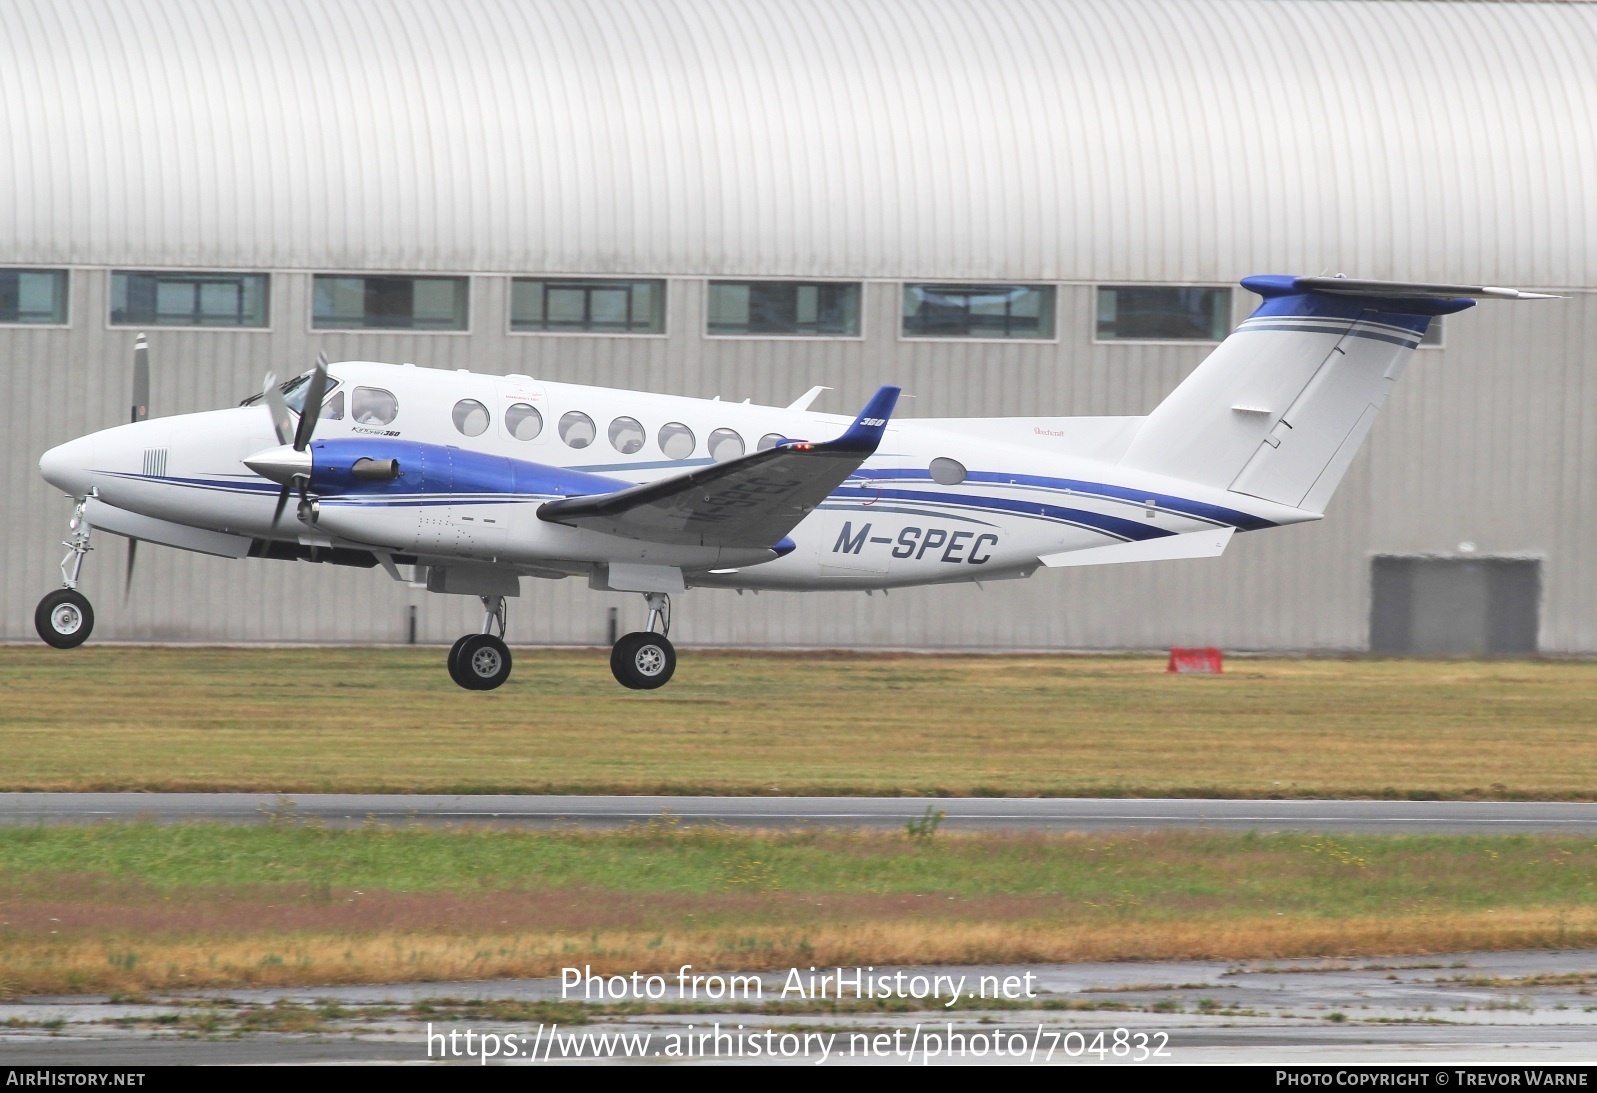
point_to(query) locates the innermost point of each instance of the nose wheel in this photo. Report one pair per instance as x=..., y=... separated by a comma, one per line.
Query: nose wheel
x=481, y=662
x=645, y=660
x=64, y=618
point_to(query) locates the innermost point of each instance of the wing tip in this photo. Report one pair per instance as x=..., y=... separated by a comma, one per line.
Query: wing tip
x=866, y=431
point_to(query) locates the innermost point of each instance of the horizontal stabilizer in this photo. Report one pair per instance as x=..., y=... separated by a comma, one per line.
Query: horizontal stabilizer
x=1411, y=290
x=1195, y=544
x=750, y=502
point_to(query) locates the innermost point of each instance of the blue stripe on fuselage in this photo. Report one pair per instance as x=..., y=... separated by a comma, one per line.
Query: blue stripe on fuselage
x=1084, y=518
x=1218, y=514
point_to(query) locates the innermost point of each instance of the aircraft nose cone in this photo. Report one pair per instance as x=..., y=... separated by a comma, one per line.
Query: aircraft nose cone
x=66, y=466
x=280, y=464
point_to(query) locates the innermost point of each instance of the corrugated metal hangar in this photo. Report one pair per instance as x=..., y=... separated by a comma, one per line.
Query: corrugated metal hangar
x=1006, y=206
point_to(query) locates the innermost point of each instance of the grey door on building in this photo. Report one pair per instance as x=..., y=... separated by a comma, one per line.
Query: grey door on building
x=1454, y=607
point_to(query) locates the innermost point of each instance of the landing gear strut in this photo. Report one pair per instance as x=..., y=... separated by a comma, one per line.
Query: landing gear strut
x=645, y=660
x=481, y=662
x=64, y=618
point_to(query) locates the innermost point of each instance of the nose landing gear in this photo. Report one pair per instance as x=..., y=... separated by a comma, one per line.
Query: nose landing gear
x=481, y=662
x=645, y=660
x=64, y=618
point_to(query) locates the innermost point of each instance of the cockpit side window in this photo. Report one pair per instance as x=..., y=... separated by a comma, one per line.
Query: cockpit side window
x=333, y=407
x=373, y=406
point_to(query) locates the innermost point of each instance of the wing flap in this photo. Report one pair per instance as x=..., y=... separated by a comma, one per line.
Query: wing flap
x=750, y=502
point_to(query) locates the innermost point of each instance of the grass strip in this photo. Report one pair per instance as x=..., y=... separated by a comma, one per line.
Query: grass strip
x=124, y=907
x=388, y=720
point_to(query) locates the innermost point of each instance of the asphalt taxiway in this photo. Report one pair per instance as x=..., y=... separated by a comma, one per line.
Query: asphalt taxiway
x=959, y=813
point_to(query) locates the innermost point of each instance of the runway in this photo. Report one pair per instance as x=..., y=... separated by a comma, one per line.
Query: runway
x=961, y=813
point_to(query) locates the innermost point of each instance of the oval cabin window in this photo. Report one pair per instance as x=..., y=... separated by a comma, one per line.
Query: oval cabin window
x=471, y=417
x=523, y=422
x=576, y=429
x=725, y=444
x=677, y=440
x=627, y=435
x=947, y=472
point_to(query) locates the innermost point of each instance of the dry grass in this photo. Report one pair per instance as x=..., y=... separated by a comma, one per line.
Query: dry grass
x=137, y=907
x=389, y=720
x=38, y=966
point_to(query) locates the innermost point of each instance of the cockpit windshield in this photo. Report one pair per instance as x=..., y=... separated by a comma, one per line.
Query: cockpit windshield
x=295, y=390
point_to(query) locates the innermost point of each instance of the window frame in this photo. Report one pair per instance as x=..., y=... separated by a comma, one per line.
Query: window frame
x=704, y=308
x=510, y=308
x=1055, y=339
x=110, y=292
x=310, y=309
x=1092, y=306
x=66, y=312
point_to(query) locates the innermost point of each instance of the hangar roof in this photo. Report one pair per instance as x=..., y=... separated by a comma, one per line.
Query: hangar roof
x=1018, y=139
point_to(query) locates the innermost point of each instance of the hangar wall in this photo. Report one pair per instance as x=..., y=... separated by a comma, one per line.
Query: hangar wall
x=1075, y=143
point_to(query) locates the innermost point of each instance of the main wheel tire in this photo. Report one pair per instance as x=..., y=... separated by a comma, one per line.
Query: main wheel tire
x=482, y=663
x=64, y=619
x=454, y=660
x=643, y=661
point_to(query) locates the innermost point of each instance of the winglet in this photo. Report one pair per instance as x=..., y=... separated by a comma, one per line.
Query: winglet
x=866, y=432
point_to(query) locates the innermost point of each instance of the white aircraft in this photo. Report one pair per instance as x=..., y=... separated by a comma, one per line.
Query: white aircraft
x=472, y=482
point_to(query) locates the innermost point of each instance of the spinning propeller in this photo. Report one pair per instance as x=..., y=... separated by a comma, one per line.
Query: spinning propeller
x=141, y=412
x=289, y=463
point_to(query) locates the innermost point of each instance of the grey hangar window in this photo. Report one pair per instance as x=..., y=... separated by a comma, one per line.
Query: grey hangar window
x=1162, y=313
x=160, y=298
x=979, y=311
x=33, y=296
x=360, y=302
x=587, y=305
x=784, y=308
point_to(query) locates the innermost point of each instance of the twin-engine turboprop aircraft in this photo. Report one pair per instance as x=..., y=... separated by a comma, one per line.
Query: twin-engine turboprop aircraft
x=473, y=482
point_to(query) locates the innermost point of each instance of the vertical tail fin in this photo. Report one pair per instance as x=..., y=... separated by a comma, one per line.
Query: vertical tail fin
x=1280, y=408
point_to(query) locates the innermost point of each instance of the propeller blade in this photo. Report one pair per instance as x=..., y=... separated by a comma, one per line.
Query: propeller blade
x=282, y=501
x=141, y=378
x=312, y=407
x=133, y=550
x=281, y=422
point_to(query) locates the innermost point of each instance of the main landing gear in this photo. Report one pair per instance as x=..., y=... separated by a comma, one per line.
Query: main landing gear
x=481, y=662
x=645, y=660
x=642, y=661
x=64, y=618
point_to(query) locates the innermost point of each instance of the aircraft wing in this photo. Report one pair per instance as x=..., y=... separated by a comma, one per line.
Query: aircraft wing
x=748, y=502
